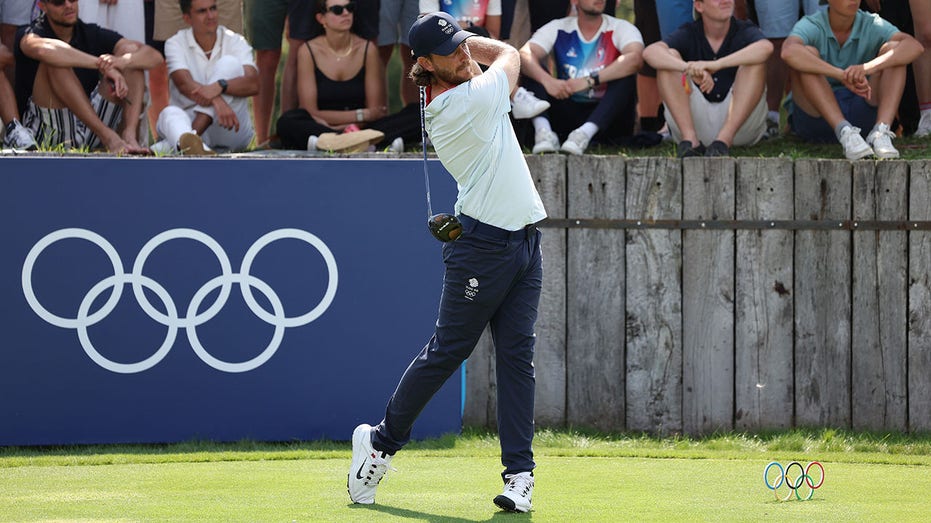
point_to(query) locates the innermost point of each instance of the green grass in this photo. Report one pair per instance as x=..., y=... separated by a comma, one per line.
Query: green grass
x=581, y=476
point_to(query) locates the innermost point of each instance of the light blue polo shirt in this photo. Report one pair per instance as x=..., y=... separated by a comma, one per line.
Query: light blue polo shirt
x=473, y=137
x=868, y=34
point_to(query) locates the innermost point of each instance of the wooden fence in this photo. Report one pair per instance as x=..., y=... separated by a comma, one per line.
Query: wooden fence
x=726, y=294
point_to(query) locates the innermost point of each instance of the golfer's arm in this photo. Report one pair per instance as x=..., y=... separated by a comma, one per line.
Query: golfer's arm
x=498, y=55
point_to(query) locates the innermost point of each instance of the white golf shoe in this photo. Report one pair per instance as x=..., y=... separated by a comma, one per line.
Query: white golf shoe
x=517, y=494
x=368, y=466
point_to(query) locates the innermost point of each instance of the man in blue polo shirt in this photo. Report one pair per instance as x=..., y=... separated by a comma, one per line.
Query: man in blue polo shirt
x=847, y=71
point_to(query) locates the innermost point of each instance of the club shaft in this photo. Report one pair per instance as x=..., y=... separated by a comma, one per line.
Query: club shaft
x=423, y=133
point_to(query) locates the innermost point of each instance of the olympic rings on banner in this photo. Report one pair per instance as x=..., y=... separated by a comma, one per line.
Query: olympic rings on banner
x=173, y=318
x=793, y=483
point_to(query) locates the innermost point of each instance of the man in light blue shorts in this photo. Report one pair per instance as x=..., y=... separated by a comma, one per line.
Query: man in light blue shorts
x=847, y=71
x=494, y=270
x=395, y=18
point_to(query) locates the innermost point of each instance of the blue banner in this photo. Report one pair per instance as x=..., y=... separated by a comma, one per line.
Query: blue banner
x=158, y=300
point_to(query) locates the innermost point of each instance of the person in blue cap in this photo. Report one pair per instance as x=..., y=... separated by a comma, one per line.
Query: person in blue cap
x=494, y=269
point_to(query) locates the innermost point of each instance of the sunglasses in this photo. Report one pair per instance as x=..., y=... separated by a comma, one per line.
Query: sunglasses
x=338, y=9
x=59, y=3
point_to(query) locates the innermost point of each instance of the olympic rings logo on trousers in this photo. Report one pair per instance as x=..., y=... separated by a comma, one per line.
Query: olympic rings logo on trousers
x=190, y=321
x=794, y=483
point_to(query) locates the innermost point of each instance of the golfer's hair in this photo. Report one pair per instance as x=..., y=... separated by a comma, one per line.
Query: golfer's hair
x=420, y=76
x=185, y=6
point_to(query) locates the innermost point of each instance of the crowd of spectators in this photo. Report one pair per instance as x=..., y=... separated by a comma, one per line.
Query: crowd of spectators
x=200, y=76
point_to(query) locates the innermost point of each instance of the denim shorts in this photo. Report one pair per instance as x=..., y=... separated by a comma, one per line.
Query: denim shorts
x=815, y=129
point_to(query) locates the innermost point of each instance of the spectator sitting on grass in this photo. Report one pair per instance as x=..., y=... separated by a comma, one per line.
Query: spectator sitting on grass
x=847, y=70
x=15, y=135
x=712, y=79
x=79, y=85
x=212, y=75
x=594, y=92
x=341, y=87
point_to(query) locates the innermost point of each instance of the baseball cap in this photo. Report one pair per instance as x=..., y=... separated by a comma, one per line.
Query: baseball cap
x=436, y=33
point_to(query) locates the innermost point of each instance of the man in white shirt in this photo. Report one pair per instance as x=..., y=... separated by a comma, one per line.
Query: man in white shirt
x=213, y=74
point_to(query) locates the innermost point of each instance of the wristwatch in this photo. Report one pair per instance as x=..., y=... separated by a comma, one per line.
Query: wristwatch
x=595, y=79
x=223, y=85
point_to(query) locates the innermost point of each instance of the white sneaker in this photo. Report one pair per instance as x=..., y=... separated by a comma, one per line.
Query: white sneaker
x=924, y=125
x=311, y=143
x=575, y=143
x=545, y=141
x=855, y=147
x=19, y=137
x=881, y=141
x=525, y=104
x=354, y=142
x=517, y=494
x=397, y=145
x=368, y=466
x=163, y=148
x=190, y=144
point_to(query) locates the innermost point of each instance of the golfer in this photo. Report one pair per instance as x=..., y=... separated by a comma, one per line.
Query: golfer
x=494, y=271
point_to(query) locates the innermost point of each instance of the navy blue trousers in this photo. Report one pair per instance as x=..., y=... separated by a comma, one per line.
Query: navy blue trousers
x=493, y=277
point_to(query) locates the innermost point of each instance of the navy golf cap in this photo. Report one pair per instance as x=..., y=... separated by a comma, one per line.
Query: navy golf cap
x=436, y=33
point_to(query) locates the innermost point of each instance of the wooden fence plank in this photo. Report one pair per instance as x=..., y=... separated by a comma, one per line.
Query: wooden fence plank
x=880, y=299
x=549, y=174
x=763, y=378
x=919, y=300
x=822, y=295
x=595, y=295
x=708, y=298
x=839, y=293
x=654, y=298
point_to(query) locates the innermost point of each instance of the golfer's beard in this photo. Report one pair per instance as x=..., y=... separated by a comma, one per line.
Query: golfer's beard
x=591, y=12
x=449, y=77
